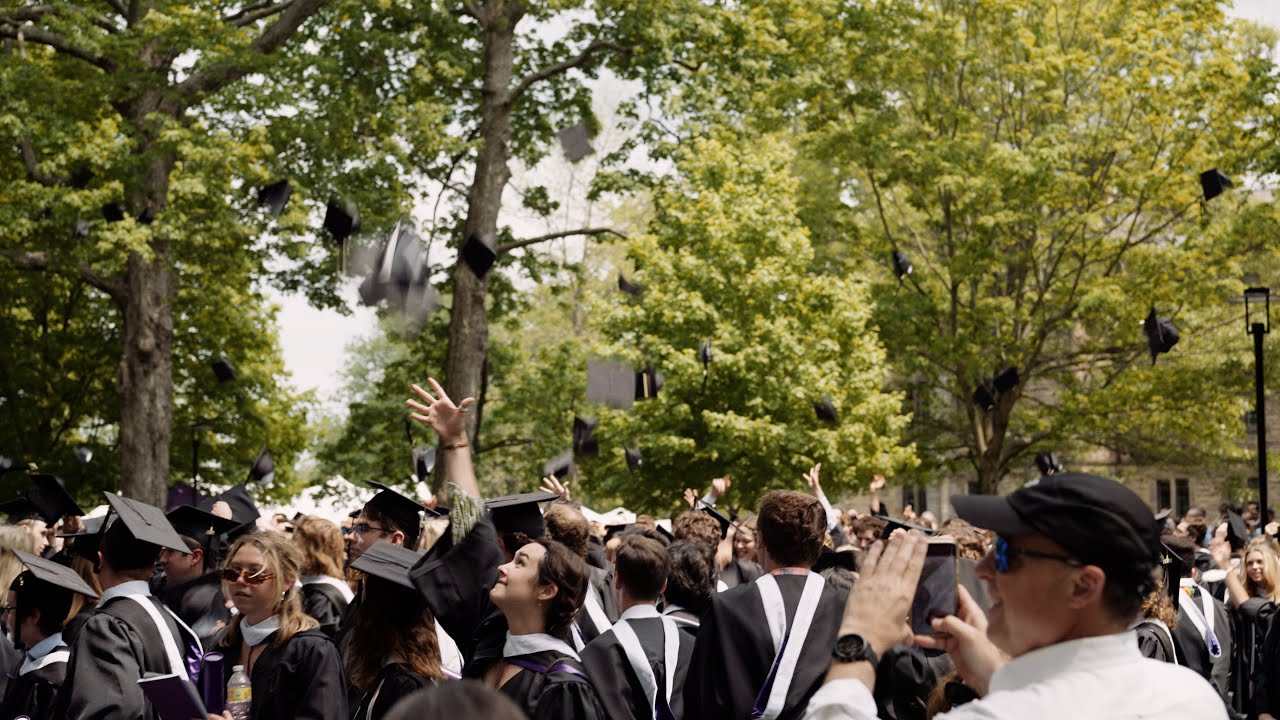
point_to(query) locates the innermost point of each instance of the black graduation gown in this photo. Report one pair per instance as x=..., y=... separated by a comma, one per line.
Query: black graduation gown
x=601, y=585
x=10, y=658
x=326, y=604
x=740, y=572
x=72, y=629
x=117, y=646
x=1193, y=653
x=1250, y=623
x=301, y=681
x=555, y=695
x=617, y=683
x=34, y=694
x=1154, y=643
x=200, y=604
x=734, y=651
x=394, y=683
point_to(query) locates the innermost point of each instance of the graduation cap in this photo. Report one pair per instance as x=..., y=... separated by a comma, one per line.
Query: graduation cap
x=611, y=383
x=82, y=228
x=146, y=523
x=704, y=354
x=388, y=562
x=583, y=442
x=825, y=410
x=21, y=508
x=1006, y=380
x=424, y=461
x=113, y=212
x=243, y=510
x=223, y=370
x=479, y=252
x=720, y=518
x=147, y=216
x=1237, y=533
x=403, y=510
x=87, y=542
x=520, y=513
x=829, y=558
x=901, y=265
x=1161, y=334
x=648, y=383
x=891, y=524
x=52, y=574
x=634, y=459
x=1213, y=183
x=1047, y=463
x=275, y=196
x=341, y=218
x=559, y=466
x=201, y=526
x=48, y=494
x=985, y=396
x=263, y=469
x=1174, y=569
x=630, y=288
x=575, y=142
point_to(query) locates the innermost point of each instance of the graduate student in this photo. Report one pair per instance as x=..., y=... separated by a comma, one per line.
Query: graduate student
x=39, y=602
x=294, y=669
x=325, y=594
x=765, y=645
x=191, y=587
x=639, y=665
x=130, y=625
x=394, y=650
x=690, y=583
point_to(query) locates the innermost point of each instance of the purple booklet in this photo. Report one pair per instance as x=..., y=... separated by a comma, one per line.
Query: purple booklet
x=173, y=697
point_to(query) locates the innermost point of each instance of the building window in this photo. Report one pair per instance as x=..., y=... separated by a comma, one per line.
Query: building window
x=1184, y=496
x=916, y=498
x=1164, y=496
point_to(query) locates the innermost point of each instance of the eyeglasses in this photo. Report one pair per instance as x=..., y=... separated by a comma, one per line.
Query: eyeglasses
x=233, y=574
x=1004, y=551
x=6, y=609
x=365, y=528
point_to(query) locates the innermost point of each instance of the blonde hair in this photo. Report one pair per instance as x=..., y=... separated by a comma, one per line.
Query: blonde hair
x=1270, y=570
x=13, y=537
x=320, y=542
x=284, y=562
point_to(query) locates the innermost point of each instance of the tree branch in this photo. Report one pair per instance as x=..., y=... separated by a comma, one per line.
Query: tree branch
x=38, y=261
x=249, y=16
x=554, y=69
x=14, y=29
x=272, y=38
x=32, y=165
x=516, y=245
x=118, y=7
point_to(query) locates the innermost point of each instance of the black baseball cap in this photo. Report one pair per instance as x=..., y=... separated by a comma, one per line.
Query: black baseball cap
x=1095, y=519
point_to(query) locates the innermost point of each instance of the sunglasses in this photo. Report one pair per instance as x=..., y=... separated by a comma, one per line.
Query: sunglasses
x=1004, y=552
x=232, y=575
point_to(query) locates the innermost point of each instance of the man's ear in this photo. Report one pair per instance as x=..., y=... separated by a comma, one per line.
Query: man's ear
x=396, y=538
x=197, y=557
x=1087, y=587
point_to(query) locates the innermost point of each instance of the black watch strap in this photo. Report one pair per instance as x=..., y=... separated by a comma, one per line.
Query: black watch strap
x=854, y=648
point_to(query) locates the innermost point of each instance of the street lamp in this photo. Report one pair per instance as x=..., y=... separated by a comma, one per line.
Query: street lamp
x=196, y=429
x=1257, y=318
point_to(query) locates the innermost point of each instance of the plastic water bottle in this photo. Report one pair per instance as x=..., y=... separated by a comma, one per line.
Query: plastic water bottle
x=239, y=694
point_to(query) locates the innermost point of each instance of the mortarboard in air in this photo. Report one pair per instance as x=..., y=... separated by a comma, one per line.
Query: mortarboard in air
x=704, y=354
x=891, y=524
x=479, y=252
x=424, y=462
x=611, y=383
x=147, y=216
x=559, y=466
x=1006, y=380
x=985, y=396
x=1047, y=463
x=113, y=212
x=901, y=264
x=341, y=218
x=48, y=493
x=628, y=287
x=275, y=196
x=263, y=469
x=82, y=228
x=634, y=459
x=829, y=558
x=201, y=526
x=223, y=370
x=146, y=523
x=1237, y=533
x=388, y=562
x=520, y=513
x=402, y=509
x=1161, y=334
x=583, y=441
x=55, y=574
x=648, y=383
x=1214, y=183
x=575, y=142
x=826, y=410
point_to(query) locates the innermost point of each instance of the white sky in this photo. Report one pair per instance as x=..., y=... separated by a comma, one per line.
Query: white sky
x=314, y=341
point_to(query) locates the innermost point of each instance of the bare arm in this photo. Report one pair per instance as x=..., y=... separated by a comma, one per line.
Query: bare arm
x=449, y=422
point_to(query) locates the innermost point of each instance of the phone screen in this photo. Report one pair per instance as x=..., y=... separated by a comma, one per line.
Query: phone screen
x=936, y=594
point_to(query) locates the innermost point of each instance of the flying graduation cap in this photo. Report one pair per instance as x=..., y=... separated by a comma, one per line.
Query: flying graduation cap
x=583, y=441
x=275, y=196
x=648, y=383
x=611, y=383
x=901, y=265
x=628, y=287
x=826, y=410
x=634, y=459
x=1214, y=183
x=559, y=466
x=1006, y=380
x=1161, y=334
x=223, y=370
x=424, y=461
x=575, y=142
x=113, y=212
x=263, y=469
x=1047, y=463
x=341, y=218
x=479, y=252
x=704, y=355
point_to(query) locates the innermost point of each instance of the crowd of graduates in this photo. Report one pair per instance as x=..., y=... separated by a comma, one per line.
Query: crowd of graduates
x=1073, y=600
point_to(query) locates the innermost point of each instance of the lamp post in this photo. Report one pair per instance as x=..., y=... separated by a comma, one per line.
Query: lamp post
x=1257, y=301
x=196, y=429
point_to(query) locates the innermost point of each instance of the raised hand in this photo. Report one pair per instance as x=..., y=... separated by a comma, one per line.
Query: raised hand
x=964, y=637
x=552, y=484
x=447, y=419
x=691, y=497
x=812, y=477
x=877, y=483
x=720, y=486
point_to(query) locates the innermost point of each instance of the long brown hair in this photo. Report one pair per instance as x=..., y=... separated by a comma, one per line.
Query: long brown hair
x=284, y=562
x=320, y=542
x=392, y=622
x=561, y=567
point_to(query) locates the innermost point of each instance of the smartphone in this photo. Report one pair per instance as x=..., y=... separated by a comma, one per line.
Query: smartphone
x=936, y=594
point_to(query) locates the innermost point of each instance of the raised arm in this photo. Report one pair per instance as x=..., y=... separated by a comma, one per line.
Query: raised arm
x=449, y=422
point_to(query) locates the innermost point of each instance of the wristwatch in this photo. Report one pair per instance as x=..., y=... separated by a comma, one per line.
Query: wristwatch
x=854, y=648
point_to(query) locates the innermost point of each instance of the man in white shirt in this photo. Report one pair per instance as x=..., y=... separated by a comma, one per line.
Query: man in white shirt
x=1074, y=556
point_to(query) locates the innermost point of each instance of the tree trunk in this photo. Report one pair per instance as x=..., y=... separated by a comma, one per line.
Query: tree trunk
x=145, y=381
x=469, y=321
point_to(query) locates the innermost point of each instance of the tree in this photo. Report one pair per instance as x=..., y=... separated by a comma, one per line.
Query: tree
x=122, y=108
x=1038, y=167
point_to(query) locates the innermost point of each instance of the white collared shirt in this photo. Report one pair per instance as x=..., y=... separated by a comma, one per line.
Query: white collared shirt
x=1099, y=678
x=133, y=587
x=643, y=610
x=37, y=655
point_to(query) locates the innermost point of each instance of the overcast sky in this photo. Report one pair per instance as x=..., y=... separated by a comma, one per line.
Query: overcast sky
x=314, y=341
